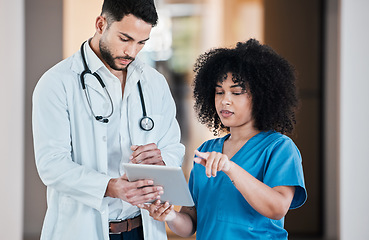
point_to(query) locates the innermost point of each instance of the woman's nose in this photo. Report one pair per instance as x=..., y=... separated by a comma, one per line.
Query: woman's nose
x=226, y=99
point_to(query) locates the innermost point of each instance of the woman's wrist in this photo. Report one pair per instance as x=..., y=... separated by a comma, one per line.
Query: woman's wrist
x=171, y=216
x=230, y=168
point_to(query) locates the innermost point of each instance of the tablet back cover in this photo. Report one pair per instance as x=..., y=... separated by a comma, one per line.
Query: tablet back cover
x=176, y=190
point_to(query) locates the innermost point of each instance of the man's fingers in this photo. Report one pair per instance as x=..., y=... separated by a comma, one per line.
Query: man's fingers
x=145, y=152
x=142, y=183
x=149, y=155
x=143, y=199
x=156, y=160
x=144, y=195
x=142, y=148
x=134, y=147
x=124, y=177
x=141, y=188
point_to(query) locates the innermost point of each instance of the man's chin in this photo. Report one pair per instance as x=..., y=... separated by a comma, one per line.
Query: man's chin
x=121, y=67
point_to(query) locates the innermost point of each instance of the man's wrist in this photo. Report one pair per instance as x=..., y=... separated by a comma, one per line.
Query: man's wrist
x=110, y=187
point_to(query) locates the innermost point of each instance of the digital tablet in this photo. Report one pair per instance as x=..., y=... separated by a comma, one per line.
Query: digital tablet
x=176, y=190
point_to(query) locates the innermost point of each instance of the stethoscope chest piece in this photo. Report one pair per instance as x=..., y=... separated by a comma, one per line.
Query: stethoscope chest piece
x=146, y=123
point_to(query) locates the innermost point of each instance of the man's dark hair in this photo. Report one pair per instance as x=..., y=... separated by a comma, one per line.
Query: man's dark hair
x=115, y=10
x=267, y=76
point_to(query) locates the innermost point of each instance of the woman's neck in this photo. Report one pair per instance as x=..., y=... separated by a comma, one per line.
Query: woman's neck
x=237, y=139
x=242, y=134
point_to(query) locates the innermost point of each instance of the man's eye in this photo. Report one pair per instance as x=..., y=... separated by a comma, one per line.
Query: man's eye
x=124, y=40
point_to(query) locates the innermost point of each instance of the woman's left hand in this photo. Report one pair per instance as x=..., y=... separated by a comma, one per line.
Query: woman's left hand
x=160, y=211
x=213, y=162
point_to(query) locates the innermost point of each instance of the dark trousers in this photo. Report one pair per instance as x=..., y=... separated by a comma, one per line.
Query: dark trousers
x=134, y=234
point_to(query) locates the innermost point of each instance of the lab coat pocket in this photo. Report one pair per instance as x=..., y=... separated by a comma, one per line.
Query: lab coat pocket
x=75, y=220
x=68, y=207
x=66, y=218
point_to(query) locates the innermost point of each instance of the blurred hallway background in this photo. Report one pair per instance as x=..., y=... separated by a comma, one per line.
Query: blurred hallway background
x=324, y=39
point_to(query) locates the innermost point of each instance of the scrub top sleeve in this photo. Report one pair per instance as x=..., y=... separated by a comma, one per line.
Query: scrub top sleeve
x=284, y=168
x=202, y=146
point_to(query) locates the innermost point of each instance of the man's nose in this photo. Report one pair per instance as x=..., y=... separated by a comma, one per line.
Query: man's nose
x=130, y=50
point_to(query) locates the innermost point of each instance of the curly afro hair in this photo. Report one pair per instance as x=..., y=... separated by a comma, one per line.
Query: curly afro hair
x=267, y=76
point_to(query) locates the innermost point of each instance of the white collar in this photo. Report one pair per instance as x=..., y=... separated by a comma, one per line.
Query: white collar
x=93, y=61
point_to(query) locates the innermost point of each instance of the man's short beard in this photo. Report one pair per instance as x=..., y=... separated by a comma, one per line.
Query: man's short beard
x=108, y=57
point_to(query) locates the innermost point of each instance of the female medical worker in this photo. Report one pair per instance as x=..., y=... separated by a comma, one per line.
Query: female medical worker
x=244, y=183
x=78, y=155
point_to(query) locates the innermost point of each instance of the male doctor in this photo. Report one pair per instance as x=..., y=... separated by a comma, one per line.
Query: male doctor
x=84, y=130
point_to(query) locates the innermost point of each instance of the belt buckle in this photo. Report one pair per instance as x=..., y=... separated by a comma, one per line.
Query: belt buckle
x=113, y=222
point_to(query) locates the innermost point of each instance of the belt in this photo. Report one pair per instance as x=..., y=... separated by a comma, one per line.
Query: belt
x=119, y=226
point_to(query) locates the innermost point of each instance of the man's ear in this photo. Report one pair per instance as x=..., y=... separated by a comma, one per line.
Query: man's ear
x=101, y=24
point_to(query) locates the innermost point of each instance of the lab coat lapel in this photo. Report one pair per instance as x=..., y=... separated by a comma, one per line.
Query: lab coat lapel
x=131, y=110
x=100, y=129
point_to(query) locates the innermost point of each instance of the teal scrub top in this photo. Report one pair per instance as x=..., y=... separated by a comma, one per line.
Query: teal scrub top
x=222, y=211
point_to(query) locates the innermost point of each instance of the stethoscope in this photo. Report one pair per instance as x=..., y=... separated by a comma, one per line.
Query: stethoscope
x=146, y=123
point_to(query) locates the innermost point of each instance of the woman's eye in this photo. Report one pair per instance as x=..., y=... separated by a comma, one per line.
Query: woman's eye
x=240, y=92
x=218, y=93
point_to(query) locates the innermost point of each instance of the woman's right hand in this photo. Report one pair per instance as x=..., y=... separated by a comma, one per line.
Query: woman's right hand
x=160, y=211
x=213, y=162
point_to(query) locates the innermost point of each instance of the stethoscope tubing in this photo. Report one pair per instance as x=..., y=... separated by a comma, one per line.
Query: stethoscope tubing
x=146, y=123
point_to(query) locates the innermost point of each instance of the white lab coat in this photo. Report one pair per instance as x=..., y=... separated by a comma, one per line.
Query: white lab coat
x=71, y=147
